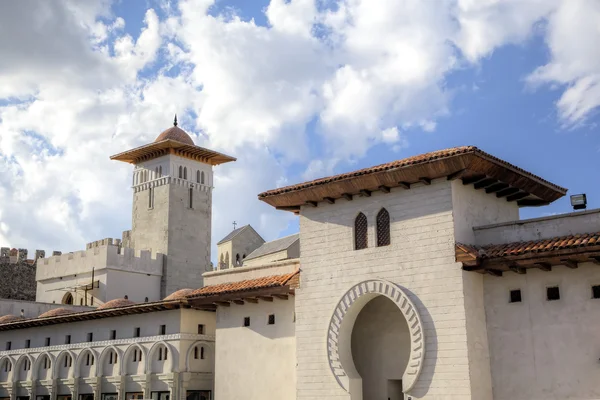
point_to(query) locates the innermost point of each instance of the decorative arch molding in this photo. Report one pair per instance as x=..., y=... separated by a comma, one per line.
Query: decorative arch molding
x=59, y=360
x=79, y=362
x=37, y=363
x=339, y=351
x=170, y=361
x=126, y=354
x=11, y=373
x=19, y=364
x=203, y=343
x=102, y=359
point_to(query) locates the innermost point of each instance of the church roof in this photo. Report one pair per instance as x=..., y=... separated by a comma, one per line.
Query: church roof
x=468, y=163
x=236, y=232
x=274, y=246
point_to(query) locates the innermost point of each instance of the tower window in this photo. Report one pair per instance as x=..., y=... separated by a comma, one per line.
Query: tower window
x=185, y=173
x=271, y=319
x=596, y=292
x=202, y=353
x=360, y=232
x=151, y=198
x=191, y=191
x=196, y=353
x=553, y=293
x=202, y=178
x=237, y=259
x=180, y=172
x=198, y=176
x=515, y=296
x=383, y=228
x=160, y=171
x=200, y=329
x=246, y=321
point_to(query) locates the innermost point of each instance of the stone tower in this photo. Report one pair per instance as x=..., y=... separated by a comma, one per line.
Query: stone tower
x=172, y=205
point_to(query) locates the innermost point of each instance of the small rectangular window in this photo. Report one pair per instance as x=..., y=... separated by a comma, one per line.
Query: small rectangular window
x=272, y=319
x=596, y=292
x=47, y=341
x=113, y=335
x=162, y=330
x=8, y=345
x=515, y=296
x=151, y=198
x=553, y=293
x=191, y=198
x=90, y=337
x=136, y=332
x=200, y=329
x=27, y=343
x=246, y=321
x=68, y=339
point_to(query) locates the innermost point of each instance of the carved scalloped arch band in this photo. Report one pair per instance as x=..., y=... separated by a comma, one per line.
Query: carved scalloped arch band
x=362, y=293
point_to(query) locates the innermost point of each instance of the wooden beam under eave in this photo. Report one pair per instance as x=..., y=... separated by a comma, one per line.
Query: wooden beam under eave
x=240, y=302
x=494, y=272
x=507, y=192
x=330, y=200
x=425, y=180
x=496, y=187
x=517, y=196
x=266, y=298
x=517, y=270
x=347, y=196
x=282, y=296
x=222, y=303
x=384, y=189
x=251, y=300
x=569, y=263
x=595, y=260
x=484, y=183
x=311, y=203
x=365, y=193
x=404, y=185
x=473, y=179
x=456, y=175
x=543, y=266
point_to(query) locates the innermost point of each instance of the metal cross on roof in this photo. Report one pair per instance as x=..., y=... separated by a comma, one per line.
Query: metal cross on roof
x=234, y=225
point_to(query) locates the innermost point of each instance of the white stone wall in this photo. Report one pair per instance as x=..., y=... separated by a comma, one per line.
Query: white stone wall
x=256, y=362
x=138, y=288
x=420, y=259
x=544, y=350
x=538, y=228
x=31, y=309
x=268, y=258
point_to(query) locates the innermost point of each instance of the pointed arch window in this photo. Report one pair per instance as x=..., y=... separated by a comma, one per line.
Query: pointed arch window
x=185, y=173
x=383, y=228
x=227, y=260
x=360, y=232
x=180, y=172
x=160, y=171
x=198, y=176
x=202, y=178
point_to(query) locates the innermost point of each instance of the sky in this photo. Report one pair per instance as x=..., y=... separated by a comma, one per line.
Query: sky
x=295, y=89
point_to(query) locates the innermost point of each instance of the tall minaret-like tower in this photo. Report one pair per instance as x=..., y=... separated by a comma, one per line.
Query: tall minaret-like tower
x=172, y=205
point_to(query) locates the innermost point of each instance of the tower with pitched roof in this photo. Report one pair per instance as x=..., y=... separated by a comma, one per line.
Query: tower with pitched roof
x=172, y=204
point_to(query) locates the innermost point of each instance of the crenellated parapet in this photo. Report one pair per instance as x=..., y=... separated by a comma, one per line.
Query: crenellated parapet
x=98, y=257
x=17, y=273
x=103, y=242
x=15, y=256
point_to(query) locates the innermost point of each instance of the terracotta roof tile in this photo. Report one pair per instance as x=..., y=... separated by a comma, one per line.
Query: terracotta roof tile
x=250, y=284
x=175, y=133
x=180, y=294
x=9, y=318
x=55, y=312
x=418, y=159
x=115, y=303
x=535, y=246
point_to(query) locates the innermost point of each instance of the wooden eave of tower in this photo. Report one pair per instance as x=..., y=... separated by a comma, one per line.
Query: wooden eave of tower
x=469, y=164
x=170, y=146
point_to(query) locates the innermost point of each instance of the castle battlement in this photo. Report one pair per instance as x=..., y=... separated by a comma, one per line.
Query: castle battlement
x=15, y=256
x=99, y=257
x=103, y=242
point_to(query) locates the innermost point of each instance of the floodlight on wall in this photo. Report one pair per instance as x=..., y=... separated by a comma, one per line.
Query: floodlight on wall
x=579, y=201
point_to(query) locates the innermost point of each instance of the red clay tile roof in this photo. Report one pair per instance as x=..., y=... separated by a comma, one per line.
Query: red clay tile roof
x=55, y=312
x=411, y=161
x=175, y=133
x=250, y=284
x=115, y=303
x=535, y=246
x=180, y=294
x=9, y=318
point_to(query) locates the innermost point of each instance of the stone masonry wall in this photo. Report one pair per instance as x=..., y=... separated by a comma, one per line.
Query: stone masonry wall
x=17, y=274
x=419, y=259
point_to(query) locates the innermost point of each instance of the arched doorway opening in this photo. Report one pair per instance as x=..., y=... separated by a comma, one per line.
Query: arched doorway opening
x=375, y=341
x=68, y=298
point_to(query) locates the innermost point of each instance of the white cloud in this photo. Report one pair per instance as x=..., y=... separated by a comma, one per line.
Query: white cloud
x=362, y=72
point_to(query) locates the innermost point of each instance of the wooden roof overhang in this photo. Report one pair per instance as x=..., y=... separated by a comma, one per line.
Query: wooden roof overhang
x=98, y=314
x=243, y=296
x=170, y=146
x=471, y=165
x=473, y=259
